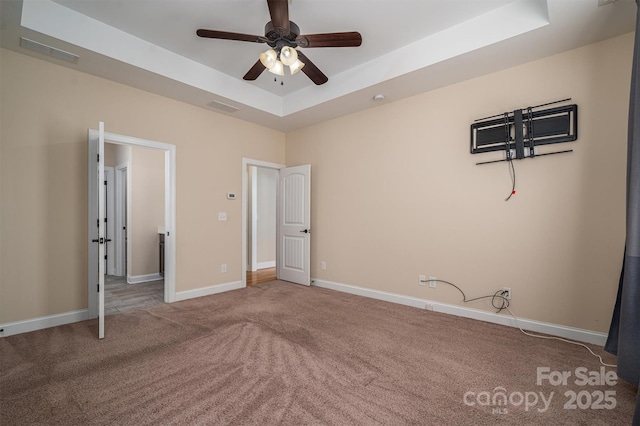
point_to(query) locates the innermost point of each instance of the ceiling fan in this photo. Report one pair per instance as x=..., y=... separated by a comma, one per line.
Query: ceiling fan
x=283, y=36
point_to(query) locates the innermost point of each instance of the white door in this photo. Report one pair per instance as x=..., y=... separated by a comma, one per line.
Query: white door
x=96, y=223
x=101, y=230
x=294, y=225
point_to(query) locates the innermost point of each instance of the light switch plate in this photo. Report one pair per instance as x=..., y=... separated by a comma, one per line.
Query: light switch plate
x=222, y=216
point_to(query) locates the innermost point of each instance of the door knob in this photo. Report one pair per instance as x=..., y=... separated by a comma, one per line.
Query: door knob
x=306, y=231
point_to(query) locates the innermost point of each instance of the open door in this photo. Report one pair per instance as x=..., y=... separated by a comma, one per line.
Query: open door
x=96, y=222
x=294, y=225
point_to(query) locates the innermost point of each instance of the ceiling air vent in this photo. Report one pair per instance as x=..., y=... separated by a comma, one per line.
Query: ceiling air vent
x=222, y=106
x=48, y=50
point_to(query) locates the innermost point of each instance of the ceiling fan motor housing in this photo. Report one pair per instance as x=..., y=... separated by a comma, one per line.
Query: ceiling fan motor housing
x=276, y=40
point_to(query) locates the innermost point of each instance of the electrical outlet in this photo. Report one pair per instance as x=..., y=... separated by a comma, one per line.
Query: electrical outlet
x=432, y=282
x=223, y=268
x=506, y=293
x=422, y=280
x=429, y=306
x=323, y=265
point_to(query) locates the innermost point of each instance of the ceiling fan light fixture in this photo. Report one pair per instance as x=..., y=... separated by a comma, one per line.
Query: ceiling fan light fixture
x=269, y=59
x=296, y=66
x=283, y=38
x=277, y=68
x=288, y=55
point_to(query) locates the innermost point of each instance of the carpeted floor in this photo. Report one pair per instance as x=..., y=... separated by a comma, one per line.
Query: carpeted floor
x=278, y=353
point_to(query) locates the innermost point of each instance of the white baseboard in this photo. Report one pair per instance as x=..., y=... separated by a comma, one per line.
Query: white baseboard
x=502, y=319
x=18, y=327
x=265, y=265
x=11, y=328
x=207, y=291
x=137, y=279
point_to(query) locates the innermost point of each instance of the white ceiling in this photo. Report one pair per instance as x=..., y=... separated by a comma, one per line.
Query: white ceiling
x=409, y=46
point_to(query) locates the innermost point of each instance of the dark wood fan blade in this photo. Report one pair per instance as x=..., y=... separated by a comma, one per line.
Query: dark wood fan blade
x=224, y=35
x=255, y=71
x=279, y=11
x=348, y=39
x=311, y=70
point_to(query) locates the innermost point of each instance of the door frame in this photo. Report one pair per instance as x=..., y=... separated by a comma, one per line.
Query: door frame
x=246, y=162
x=169, y=214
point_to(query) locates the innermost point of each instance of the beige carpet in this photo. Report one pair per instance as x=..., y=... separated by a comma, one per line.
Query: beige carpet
x=278, y=353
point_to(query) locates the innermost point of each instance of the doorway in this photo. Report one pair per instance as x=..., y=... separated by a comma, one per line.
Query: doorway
x=293, y=221
x=261, y=224
x=137, y=284
x=252, y=272
x=169, y=210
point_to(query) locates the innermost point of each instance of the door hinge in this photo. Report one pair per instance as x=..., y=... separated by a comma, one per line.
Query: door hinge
x=98, y=289
x=98, y=223
x=98, y=158
x=105, y=183
x=105, y=257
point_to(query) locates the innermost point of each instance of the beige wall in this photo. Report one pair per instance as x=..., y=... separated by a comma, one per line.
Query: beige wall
x=115, y=154
x=147, y=210
x=45, y=111
x=396, y=193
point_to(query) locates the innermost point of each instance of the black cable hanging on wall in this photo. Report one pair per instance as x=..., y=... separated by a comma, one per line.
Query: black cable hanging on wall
x=512, y=169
